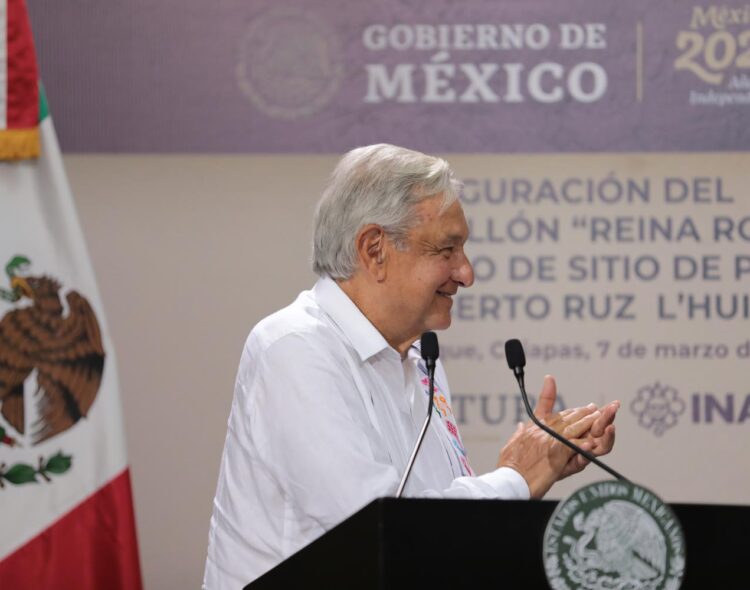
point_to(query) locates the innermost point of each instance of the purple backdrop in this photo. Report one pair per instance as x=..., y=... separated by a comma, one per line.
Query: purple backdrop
x=270, y=76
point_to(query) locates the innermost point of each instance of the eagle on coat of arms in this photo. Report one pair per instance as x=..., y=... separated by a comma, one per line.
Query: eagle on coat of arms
x=64, y=349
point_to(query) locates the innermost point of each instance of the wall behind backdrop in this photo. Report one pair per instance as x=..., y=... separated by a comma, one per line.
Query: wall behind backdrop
x=606, y=170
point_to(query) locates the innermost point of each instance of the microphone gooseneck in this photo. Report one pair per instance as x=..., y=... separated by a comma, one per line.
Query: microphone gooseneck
x=430, y=353
x=516, y=362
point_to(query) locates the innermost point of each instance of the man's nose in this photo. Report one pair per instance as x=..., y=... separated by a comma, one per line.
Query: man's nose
x=464, y=273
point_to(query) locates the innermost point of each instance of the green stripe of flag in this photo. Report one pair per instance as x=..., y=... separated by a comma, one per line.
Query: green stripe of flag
x=43, y=106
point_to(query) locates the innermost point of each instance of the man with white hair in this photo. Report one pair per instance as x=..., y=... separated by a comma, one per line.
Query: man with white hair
x=331, y=393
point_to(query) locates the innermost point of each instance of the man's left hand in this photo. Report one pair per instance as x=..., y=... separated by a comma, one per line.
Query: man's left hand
x=600, y=438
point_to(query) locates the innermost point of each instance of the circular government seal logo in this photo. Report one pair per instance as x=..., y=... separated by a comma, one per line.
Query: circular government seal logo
x=290, y=63
x=616, y=536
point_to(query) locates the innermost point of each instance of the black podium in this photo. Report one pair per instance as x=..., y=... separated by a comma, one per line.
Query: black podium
x=413, y=544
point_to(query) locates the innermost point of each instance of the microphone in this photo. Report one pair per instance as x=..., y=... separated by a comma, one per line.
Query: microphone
x=516, y=362
x=430, y=353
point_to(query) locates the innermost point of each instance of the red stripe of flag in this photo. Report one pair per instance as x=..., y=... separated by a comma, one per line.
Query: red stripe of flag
x=91, y=548
x=22, y=110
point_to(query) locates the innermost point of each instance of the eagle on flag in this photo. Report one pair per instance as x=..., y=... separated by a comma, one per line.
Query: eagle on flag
x=65, y=350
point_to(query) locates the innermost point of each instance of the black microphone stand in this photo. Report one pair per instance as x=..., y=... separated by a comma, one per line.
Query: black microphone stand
x=429, y=354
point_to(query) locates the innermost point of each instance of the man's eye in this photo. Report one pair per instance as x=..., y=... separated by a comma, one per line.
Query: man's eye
x=447, y=252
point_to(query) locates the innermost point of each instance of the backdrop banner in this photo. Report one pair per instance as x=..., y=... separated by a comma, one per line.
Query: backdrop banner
x=443, y=76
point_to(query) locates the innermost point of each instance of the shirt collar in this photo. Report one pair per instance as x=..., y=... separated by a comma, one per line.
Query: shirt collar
x=365, y=338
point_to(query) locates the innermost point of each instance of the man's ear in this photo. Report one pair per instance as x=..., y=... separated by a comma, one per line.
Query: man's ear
x=371, y=248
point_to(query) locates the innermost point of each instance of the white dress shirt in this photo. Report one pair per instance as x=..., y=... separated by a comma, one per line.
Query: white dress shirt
x=324, y=418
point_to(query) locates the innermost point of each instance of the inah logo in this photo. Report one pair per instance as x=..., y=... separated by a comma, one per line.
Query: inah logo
x=657, y=407
x=289, y=63
x=613, y=535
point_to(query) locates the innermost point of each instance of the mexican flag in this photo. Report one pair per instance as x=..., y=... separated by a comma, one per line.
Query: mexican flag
x=66, y=511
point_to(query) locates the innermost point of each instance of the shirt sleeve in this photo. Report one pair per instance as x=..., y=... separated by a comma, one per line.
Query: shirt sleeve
x=504, y=483
x=301, y=422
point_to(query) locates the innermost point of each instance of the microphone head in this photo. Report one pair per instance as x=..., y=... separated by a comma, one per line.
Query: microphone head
x=429, y=346
x=514, y=354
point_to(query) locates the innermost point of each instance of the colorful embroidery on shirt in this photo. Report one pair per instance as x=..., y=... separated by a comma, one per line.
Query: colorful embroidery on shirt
x=463, y=457
x=441, y=404
x=452, y=428
x=445, y=412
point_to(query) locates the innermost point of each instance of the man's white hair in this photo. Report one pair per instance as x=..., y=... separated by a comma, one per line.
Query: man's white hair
x=376, y=184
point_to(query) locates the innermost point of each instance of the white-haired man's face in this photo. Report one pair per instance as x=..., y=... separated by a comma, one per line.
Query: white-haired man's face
x=423, y=278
